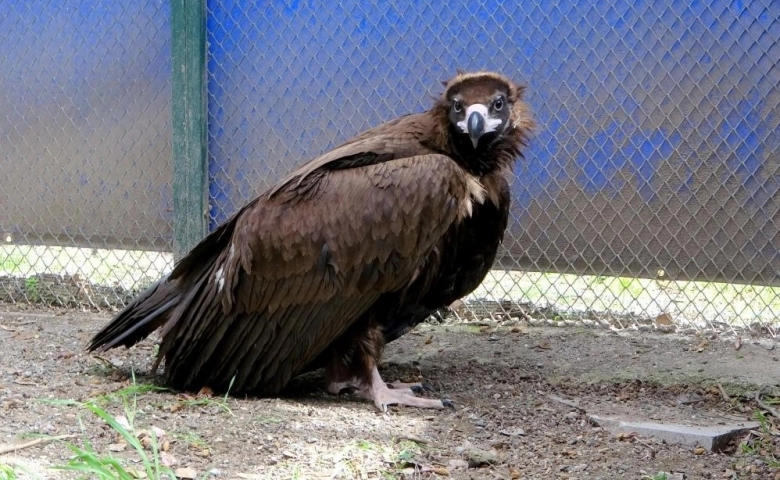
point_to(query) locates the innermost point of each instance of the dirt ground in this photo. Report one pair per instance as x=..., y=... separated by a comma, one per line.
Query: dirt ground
x=521, y=394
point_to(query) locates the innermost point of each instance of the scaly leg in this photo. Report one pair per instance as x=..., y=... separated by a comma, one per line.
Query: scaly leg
x=383, y=396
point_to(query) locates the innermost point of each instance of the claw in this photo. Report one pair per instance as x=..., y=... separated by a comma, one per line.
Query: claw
x=397, y=393
x=447, y=403
x=416, y=388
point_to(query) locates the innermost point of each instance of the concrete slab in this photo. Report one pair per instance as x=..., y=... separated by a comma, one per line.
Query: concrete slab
x=710, y=437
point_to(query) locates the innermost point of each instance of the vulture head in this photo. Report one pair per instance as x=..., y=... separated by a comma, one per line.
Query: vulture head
x=486, y=117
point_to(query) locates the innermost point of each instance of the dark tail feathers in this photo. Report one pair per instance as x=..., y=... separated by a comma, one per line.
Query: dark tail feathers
x=149, y=311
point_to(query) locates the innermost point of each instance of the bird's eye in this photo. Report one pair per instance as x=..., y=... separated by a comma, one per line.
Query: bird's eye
x=457, y=106
x=498, y=105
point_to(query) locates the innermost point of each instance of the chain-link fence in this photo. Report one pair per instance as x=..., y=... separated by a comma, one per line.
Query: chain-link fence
x=85, y=126
x=650, y=189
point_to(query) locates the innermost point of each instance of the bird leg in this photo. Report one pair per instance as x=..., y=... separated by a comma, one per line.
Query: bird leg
x=383, y=396
x=353, y=367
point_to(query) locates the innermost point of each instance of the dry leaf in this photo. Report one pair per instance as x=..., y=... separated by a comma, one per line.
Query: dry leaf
x=516, y=330
x=185, y=472
x=122, y=420
x=173, y=408
x=167, y=459
x=699, y=450
x=514, y=473
x=158, y=432
x=117, y=447
x=704, y=344
x=664, y=320
x=205, y=392
x=135, y=473
x=437, y=469
x=429, y=340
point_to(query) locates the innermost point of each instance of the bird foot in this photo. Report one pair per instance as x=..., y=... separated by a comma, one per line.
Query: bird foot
x=411, y=388
x=383, y=395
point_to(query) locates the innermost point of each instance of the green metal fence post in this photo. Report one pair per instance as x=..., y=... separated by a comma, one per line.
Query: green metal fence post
x=190, y=179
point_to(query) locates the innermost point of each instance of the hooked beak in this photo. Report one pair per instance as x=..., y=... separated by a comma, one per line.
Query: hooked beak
x=478, y=123
x=476, y=127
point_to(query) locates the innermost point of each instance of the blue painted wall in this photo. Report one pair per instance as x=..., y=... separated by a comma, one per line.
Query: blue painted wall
x=658, y=143
x=85, y=123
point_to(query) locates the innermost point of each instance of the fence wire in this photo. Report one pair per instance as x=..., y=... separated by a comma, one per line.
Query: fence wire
x=86, y=131
x=648, y=198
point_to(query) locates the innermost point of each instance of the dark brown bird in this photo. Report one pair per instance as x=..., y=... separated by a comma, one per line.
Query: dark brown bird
x=347, y=253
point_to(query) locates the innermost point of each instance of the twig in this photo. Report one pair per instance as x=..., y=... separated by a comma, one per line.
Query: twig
x=13, y=448
x=723, y=393
x=568, y=403
x=412, y=438
x=766, y=407
x=25, y=383
x=646, y=445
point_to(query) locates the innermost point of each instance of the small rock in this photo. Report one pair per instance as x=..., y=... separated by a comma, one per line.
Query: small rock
x=516, y=432
x=457, y=463
x=215, y=472
x=117, y=447
x=688, y=399
x=480, y=458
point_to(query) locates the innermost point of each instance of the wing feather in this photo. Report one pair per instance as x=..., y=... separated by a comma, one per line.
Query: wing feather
x=301, y=269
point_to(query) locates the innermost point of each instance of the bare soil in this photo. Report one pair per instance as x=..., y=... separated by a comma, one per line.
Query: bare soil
x=521, y=393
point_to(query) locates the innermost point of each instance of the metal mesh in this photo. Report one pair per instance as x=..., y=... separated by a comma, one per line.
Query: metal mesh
x=650, y=188
x=657, y=156
x=85, y=126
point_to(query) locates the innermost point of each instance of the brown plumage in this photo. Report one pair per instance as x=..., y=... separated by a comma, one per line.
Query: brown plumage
x=347, y=253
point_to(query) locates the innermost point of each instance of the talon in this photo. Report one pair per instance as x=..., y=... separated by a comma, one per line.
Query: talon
x=448, y=403
x=427, y=387
x=417, y=389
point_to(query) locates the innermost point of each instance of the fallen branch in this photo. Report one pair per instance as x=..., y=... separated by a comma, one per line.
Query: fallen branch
x=766, y=407
x=14, y=448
